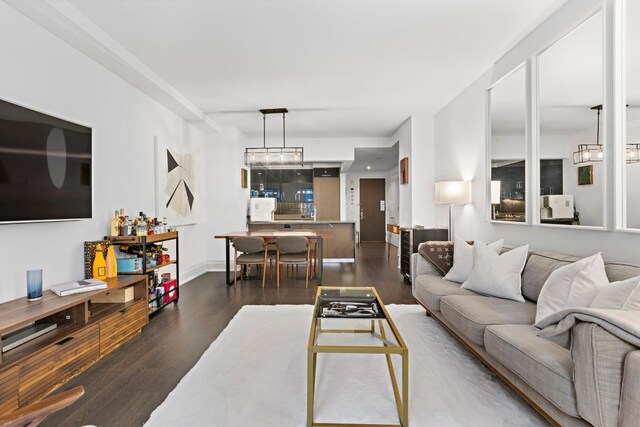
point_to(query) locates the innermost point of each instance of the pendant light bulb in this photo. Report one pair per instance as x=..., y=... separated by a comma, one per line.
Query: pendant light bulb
x=600, y=154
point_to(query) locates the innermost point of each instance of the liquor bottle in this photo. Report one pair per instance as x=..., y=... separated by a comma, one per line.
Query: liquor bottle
x=141, y=228
x=122, y=218
x=133, y=250
x=99, y=269
x=115, y=225
x=111, y=264
x=127, y=227
x=156, y=249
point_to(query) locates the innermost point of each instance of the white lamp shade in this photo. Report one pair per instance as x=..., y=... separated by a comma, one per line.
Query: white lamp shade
x=453, y=192
x=495, y=192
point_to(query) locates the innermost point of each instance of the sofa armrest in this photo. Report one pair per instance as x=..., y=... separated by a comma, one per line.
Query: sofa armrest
x=599, y=359
x=630, y=400
x=420, y=266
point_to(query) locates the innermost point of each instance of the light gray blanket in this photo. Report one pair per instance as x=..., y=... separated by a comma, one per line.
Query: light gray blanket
x=623, y=324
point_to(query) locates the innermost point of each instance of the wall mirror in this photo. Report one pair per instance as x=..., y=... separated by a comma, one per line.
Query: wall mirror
x=632, y=92
x=507, y=148
x=571, y=118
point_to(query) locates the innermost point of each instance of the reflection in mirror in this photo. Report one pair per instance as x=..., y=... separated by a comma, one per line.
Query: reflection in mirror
x=632, y=90
x=508, y=148
x=570, y=76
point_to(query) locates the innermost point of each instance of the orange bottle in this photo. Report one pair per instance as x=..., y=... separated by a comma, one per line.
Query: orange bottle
x=111, y=264
x=99, y=264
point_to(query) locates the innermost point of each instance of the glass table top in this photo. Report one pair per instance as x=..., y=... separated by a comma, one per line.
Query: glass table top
x=352, y=317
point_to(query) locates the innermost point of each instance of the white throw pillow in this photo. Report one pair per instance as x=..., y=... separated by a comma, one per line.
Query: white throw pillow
x=574, y=285
x=497, y=275
x=463, y=259
x=623, y=295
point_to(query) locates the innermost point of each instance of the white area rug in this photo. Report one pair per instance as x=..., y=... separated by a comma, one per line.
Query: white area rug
x=255, y=374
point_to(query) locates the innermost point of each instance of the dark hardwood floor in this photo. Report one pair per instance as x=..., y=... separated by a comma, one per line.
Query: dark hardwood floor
x=125, y=387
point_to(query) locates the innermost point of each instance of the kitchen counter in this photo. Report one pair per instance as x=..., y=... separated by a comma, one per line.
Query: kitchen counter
x=341, y=246
x=299, y=221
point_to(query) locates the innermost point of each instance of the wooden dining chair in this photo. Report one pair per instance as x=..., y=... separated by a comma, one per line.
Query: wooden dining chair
x=252, y=251
x=33, y=414
x=314, y=252
x=293, y=250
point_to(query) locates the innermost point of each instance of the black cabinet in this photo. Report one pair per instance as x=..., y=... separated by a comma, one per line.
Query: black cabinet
x=410, y=238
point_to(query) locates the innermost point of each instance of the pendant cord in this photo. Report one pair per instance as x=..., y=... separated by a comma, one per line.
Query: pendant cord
x=284, y=144
x=264, y=130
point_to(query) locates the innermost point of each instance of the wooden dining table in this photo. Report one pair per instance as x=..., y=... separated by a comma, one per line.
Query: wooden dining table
x=270, y=237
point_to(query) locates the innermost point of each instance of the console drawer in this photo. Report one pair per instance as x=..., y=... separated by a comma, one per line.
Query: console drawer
x=54, y=364
x=117, y=328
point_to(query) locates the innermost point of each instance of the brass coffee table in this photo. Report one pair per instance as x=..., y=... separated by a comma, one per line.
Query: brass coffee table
x=363, y=323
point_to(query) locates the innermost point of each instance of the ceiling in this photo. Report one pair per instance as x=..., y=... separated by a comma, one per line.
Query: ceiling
x=571, y=81
x=343, y=68
x=378, y=159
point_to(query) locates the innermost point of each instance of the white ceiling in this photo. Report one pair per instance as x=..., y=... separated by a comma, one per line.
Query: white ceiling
x=379, y=159
x=343, y=68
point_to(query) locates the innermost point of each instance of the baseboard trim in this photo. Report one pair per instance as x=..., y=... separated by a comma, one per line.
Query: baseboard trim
x=191, y=273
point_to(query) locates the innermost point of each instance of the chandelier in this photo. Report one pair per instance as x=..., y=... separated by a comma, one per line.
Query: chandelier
x=273, y=156
x=588, y=153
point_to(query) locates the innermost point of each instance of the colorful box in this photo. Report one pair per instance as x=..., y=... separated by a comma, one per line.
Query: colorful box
x=129, y=265
x=170, y=290
x=162, y=258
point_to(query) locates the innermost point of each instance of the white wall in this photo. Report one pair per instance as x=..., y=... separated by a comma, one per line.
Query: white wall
x=460, y=152
x=227, y=202
x=392, y=185
x=43, y=73
x=403, y=138
x=422, y=178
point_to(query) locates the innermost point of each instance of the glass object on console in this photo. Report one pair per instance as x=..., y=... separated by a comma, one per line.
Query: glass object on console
x=571, y=118
x=507, y=145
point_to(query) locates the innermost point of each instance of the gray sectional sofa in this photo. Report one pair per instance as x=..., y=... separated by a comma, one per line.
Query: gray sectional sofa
x=585, y=377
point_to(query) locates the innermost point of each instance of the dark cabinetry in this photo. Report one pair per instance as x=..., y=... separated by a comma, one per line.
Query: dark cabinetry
x=410, y=238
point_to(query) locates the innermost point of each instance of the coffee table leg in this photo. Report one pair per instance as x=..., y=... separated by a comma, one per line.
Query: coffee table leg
x=405, y=388
x=311, y=380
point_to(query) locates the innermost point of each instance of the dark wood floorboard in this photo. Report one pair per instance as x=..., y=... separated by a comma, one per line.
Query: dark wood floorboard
x=126, y=386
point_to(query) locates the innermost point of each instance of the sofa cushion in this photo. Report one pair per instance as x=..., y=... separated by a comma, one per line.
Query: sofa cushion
x=617, y=272
x=544, y=365
x=470, y=315
x=537, y=270
x=599, y=360
x=430, y=288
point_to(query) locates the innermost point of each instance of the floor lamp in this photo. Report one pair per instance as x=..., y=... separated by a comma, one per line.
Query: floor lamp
x=453, y=193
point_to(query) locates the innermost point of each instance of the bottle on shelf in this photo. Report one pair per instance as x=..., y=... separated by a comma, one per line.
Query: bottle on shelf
x=111, y=264
x=122, y=218
x=99, y=269
x=141, y=227
x=133, y=250
x=127, y=227
x=115, y=225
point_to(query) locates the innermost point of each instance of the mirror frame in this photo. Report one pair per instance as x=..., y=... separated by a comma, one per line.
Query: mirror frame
x=525, y=66
x=536, y=143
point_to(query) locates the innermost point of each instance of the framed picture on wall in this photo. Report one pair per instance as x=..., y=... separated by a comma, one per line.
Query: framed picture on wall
x=404, y=171
x=585, y=175
x=244, y=178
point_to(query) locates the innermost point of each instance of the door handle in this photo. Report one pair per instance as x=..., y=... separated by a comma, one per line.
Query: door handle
x=361, y=215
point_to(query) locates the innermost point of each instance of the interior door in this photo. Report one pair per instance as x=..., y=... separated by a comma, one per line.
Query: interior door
x=372, y=209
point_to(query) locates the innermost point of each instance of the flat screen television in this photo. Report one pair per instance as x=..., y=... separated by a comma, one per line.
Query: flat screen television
x=45, y=167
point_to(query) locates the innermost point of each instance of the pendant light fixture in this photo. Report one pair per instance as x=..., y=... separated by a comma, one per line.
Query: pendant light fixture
x=589, y=153
x=273, y=156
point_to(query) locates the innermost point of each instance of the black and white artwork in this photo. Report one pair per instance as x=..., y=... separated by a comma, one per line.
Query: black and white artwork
x=177, y=185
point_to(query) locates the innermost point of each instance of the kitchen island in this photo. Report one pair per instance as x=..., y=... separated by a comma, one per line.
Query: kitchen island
x=342, y=245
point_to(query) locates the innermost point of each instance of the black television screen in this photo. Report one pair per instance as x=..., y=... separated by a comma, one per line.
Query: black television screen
x=45, y=167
